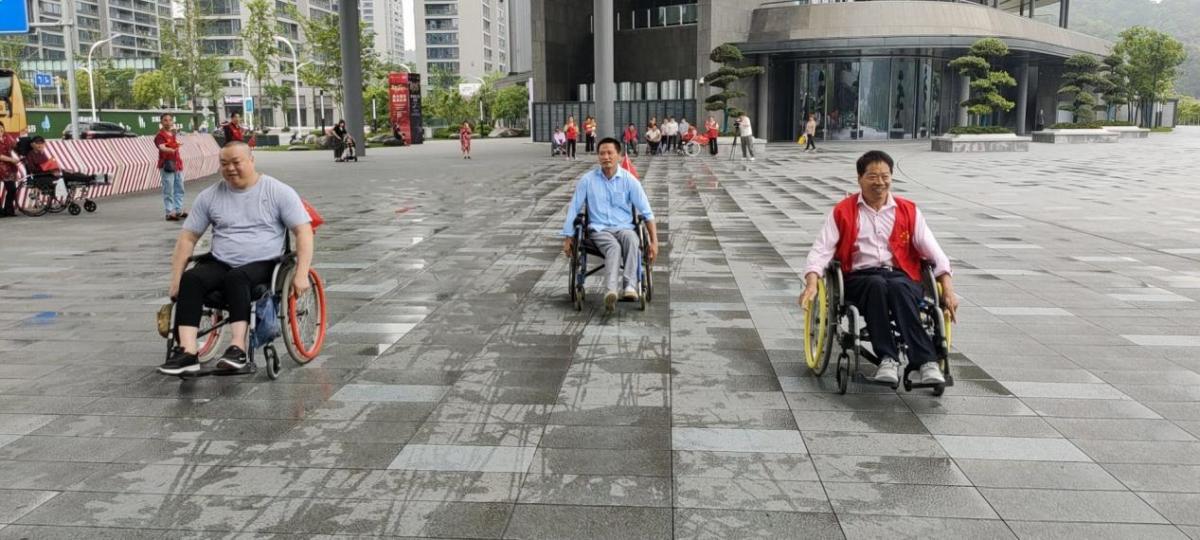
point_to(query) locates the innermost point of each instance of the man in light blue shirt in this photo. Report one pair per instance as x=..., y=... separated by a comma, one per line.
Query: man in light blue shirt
x=611, y=195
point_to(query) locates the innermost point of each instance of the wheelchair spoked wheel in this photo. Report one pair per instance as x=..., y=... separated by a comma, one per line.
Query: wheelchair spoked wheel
x=89, y=205
x=74, y=209
x=692, y=149
x=35, y=203
x=271, y=359
x=819, y=329
x=305, y=319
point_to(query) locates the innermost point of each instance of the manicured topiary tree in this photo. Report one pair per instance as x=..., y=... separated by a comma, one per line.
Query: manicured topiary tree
x=988, y=79
x=729, y=56
x=1080, y=81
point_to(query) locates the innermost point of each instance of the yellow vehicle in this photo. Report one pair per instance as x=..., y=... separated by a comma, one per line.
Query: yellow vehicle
x=12, y=105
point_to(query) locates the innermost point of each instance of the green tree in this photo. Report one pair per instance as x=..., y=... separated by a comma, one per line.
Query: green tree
x=151, y=89
x=277, y=95
x=196, y=74
x=14, y=50
x=258, y=40
x=1116, y=88
x=114, y=92
x=1153, y=58
x=988, y=79
x=512, y=103
x=1189, y=111
x=324, y=47
x=729, y=56
x=1081, y=80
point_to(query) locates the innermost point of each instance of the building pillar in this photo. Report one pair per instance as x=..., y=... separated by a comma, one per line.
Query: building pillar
x=764, y=61
x=1064, y=12
x=602, y=13
x=1022, y=96
x=352, y=72
x=964, y=93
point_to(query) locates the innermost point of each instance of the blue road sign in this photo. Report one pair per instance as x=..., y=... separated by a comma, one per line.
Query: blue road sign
x=42, y=80
x=248, y=105
x=14, y=19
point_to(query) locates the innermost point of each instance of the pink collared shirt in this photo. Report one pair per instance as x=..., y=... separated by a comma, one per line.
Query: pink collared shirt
x=874, y=231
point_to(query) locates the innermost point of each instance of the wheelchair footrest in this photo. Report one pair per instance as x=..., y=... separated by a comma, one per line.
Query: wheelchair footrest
x=209, y=370
x=949, y=382
x=859, y=378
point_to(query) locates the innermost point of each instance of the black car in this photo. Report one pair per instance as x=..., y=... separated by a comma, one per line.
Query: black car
x=99, y=130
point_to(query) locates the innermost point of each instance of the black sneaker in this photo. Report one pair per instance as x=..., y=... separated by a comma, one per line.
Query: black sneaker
x=179, y=363
x=233, y=362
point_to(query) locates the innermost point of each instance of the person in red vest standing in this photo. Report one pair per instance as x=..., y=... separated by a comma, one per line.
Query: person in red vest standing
x=8, y=172
x=170, y=166
x=233, y=130
x=880, y=241
x=572, y=132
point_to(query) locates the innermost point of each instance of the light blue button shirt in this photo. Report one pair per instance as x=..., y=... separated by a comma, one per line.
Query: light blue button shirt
x=610, y=201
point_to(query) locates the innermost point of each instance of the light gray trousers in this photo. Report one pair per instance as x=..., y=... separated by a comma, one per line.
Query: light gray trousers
x=618, y=245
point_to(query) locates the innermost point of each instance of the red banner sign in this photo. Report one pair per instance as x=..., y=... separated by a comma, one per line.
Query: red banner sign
x=398, y=103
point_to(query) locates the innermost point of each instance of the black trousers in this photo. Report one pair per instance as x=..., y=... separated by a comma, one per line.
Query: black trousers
x=590, y=144
x=235, y=284
x=571, y=147
x=883, y=295
x=712, y=146
x=810, y=142
x=9, y=205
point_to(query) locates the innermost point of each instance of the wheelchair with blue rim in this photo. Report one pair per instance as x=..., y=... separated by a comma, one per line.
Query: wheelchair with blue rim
x=302, y=320
x=831, y=320
x=585, y=248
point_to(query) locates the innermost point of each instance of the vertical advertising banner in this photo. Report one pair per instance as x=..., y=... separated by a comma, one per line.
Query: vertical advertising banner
x=398, y=105
x=404, y=105
x=414, y=107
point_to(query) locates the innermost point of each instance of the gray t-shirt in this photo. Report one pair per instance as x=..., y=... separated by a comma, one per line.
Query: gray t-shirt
x=248, y=225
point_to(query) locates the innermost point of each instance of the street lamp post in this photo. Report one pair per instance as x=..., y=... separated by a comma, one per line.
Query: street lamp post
x=91, y=77
x=295, y=75
x=480, y=93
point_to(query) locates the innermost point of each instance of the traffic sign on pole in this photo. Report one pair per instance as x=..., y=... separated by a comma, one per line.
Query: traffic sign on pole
x=42, y=80
x=14, y=18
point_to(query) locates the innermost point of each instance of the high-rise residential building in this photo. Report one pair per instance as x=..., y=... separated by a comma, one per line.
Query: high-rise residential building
x=467, y=37
x=385, y=18
x=225, y=20
x=136, y=21
x=863, y=69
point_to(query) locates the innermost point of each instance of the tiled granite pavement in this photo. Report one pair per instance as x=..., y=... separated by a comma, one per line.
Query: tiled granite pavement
x=460, y=396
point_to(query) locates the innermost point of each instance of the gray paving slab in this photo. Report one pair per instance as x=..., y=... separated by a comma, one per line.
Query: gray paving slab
x=460, y=395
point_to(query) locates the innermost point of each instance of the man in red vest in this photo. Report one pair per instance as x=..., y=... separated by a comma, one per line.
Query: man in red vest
x=880, y=240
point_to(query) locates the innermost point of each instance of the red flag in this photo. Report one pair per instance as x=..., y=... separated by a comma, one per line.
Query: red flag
x=627, y=164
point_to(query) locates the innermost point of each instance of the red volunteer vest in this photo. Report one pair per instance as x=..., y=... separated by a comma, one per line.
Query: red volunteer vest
x=904, y=254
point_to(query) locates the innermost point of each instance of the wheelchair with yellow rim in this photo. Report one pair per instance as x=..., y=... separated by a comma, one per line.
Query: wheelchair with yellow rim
x=831, y=321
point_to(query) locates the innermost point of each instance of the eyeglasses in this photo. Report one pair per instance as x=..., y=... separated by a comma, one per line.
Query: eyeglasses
x=877, y=177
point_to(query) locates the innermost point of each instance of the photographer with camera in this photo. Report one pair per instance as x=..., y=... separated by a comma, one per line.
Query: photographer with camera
x=745, y=135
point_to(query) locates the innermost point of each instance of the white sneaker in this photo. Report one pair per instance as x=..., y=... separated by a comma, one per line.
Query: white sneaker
x=887, y=371
x=930, y=374
x=610, y=301
x=630, y=293
x=751, y=159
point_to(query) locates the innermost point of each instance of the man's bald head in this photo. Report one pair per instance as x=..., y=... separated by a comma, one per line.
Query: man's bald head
x=237, y=165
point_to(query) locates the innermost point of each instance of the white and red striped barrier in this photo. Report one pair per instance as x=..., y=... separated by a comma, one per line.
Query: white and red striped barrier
x=132, y=162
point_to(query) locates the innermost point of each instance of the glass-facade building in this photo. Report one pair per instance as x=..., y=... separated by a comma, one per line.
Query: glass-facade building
x=865, y=69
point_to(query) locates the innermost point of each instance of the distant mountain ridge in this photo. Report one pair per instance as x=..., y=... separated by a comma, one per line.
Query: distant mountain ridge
x=1180, y=18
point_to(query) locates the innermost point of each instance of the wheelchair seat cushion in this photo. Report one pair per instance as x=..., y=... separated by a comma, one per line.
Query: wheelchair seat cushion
x=216, y=299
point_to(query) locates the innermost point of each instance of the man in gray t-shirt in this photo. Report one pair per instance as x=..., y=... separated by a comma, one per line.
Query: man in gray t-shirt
x=250, y=214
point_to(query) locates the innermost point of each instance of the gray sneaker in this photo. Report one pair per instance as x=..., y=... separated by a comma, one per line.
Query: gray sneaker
x=931, y=374
x=610, y=301
x=887, y=371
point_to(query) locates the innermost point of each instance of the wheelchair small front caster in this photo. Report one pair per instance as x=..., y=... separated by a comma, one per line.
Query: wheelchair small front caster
x=938, y=390
x=74, y=209
x=907, y=384
x=272, y=360
x=842, y=373
x=89, y=205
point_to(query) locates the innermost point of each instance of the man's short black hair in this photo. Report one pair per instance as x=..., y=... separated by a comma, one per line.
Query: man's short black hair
x=37, y=139
x=164, y=115
x=875, y=156
x=609, y=140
